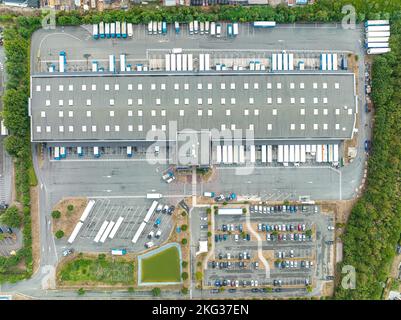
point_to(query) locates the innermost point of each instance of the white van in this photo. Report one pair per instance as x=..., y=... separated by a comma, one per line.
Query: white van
x=149, y=244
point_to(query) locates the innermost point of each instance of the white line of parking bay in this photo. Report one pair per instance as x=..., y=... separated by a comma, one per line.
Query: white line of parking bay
x=138, y=197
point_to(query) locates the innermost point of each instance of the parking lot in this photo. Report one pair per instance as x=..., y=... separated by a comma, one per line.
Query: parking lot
x=296, y=245
x=284, y=37
x=133, y=213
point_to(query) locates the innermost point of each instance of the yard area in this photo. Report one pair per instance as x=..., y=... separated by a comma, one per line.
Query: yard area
x=97, y=270
x=162, y=267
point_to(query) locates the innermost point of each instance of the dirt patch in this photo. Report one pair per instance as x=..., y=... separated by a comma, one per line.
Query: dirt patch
x=35, y=228
x=344, y=210
x=394, y=268
x=19, y=296
x=68, y=219
x=328, y=289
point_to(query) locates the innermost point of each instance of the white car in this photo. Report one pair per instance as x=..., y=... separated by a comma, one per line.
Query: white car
x=252, y=283
x=330, y=228
x=236, y=237
x=228, y=256
x=236, y=283
x=170, y=179
x=256, y=283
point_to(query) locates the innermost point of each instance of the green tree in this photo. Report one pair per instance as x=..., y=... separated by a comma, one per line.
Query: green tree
x=56, y=214
x=209, y=234
x=184, y=227
x=59, y=234
x=70, y=207
x=81, y=291
x=11, y=217
x=184, y=276
x=198, y=275
x=184, y=241
x=308, y=233
x=208, y=210
x=184, y=264
x=156, y=292
x=184, y=290
x=244, y=210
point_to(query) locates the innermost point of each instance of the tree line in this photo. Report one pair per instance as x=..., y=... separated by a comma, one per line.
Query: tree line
x=374, y=226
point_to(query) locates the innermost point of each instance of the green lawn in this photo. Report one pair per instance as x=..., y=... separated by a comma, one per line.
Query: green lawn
x=100, y=271
x=162, y=267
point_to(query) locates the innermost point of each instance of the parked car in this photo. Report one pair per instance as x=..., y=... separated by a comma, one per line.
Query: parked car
x=67, y=252
x=170, y=210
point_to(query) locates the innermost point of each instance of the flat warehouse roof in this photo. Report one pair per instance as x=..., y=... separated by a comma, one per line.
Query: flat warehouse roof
x=124, y=107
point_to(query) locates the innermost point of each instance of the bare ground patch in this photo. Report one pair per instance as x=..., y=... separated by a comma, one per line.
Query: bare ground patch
x=69, y=219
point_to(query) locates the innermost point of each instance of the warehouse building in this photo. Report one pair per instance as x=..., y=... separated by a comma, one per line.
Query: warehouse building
x=139, y=107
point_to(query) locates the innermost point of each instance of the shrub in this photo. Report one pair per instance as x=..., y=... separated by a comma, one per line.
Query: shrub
x=56, y=214
x=70, y=207
x=59, y=234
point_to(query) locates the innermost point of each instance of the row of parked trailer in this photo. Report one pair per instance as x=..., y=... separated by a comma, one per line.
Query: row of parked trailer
x=61, y=152
x=81, y=221
x=118, y=29
x=329, y=61
x=122, y=29
x=178, y=61
x=146, y=220
x=297, y=153
x=108, y=229
x=282, y=61
x=377, y=36
x=233, y=154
